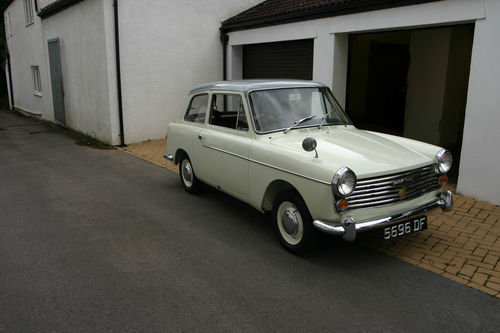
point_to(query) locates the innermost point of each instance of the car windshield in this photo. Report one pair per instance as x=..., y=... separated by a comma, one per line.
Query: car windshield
x=288, y=108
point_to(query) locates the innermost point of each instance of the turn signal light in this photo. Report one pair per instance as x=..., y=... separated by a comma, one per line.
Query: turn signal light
x=443, y=179
x=342, y=204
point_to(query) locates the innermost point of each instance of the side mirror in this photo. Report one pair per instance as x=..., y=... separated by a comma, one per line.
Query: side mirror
x=310, y=144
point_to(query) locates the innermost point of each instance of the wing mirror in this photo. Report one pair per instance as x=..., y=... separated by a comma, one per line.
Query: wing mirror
x=309, y=144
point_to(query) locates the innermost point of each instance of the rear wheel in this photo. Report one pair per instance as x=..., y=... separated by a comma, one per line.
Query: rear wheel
x=292, y=222
x=188, y=179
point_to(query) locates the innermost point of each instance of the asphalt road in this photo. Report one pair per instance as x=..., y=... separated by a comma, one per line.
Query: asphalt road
x=97, y=240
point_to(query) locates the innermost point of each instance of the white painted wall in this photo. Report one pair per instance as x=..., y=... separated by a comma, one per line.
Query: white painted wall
x=167, y=48
x=44, y=3
x=480, y=162
x=85, y=56
x=26, y=49
x=480, y=157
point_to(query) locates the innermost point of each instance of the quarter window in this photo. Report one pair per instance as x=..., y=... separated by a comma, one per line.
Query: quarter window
x=37, y=82
x=227, y=111
x=28, y=11
x=197, y=109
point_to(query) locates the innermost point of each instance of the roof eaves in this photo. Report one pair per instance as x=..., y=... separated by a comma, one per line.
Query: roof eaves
x=56, y=7
x=317, y=13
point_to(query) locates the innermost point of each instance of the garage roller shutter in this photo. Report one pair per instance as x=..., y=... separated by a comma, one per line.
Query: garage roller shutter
x=281, y=60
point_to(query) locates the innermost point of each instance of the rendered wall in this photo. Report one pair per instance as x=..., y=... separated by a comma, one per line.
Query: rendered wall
x=85, y=52
x=480, y=161
x=168, y=47
x=44, y=3
x=26, y=49
x=480, y=158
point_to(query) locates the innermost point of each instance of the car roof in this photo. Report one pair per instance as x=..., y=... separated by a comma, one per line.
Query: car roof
x=249, y=85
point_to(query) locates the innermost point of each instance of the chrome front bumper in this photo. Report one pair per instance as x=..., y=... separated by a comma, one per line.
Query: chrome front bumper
x=349, y=227
x=168, y=157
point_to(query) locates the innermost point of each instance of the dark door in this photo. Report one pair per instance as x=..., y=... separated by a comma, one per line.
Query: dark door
x=56, y=80
x=279, y=60
x=387, y=84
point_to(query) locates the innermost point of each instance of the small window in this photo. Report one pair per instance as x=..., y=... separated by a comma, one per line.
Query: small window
x=227, y=111
x=28, y=11
x=197, y=109
x=37, y=82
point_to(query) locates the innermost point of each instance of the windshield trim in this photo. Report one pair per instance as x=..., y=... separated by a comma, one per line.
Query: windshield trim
x=324, y=89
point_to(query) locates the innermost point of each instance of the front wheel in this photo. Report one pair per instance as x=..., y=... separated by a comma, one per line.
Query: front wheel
x=188, y=179
x=292, y=222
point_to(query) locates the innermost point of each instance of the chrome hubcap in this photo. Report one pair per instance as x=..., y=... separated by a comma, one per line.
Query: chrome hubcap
x=187, y=173
x=290, y=222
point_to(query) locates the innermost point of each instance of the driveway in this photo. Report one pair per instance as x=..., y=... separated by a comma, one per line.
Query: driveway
x=99, y=240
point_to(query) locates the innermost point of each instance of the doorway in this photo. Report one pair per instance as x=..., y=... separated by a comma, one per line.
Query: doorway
x=412, y=83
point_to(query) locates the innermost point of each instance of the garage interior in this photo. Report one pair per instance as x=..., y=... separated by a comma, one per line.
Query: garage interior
x=412, y=83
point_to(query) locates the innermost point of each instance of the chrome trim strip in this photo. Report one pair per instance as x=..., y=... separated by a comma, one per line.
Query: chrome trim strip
x=389, y=183
x=265, y=164
x=395, y=175
x=346, y=229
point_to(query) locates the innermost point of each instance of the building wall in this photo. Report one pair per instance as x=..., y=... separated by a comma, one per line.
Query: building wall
x=26, y=49
x=86, y=43
x=44, y=3
x=480, y=152
x=167, y=48
x=480, y=160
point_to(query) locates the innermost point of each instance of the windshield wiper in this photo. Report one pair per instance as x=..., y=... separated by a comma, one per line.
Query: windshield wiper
x=298, y=122
x=323, y=119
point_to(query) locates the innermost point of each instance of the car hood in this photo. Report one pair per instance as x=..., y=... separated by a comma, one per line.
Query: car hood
x=366, y=153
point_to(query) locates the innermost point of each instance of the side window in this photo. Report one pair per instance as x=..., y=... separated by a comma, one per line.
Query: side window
x=227, y=111
x=197, y=109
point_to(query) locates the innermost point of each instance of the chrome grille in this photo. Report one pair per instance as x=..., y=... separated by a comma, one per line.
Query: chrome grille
x=382, y=190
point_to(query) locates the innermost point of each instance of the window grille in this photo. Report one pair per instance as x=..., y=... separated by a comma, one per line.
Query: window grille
x=37, y=82
x=28, y=11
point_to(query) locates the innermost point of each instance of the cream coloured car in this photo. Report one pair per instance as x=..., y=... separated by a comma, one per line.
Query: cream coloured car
x=288, y=147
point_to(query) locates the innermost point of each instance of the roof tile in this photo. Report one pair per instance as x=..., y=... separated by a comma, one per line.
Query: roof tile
x=282, y=11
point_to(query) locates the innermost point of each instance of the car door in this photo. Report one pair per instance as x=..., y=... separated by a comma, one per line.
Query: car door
x=188, y=137
x=226, y=144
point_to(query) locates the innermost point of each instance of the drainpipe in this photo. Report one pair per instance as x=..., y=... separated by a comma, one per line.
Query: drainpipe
x=9, y=68
x=118, y=74
x=11, y=88
x=224, y=38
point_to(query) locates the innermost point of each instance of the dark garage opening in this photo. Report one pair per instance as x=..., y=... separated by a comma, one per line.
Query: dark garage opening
x=412, y=83
x=279, y=60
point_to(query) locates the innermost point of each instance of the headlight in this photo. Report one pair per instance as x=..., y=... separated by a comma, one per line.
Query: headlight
x=344, y=182
x=443, y=161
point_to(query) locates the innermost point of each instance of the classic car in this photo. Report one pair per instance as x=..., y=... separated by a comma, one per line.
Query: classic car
x=287, y=147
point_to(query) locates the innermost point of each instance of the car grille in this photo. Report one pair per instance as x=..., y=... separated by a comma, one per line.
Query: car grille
x=382, y=190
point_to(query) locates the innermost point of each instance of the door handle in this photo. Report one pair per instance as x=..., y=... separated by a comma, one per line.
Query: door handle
x=200, y=137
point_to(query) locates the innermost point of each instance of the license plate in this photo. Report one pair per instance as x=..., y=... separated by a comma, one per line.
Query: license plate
x=406, y=227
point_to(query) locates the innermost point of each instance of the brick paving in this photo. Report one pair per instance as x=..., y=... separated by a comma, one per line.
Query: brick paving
x=462, y=245
x=151, y=151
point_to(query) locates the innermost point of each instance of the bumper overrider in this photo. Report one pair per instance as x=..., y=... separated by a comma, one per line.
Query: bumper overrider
x=349, y=227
